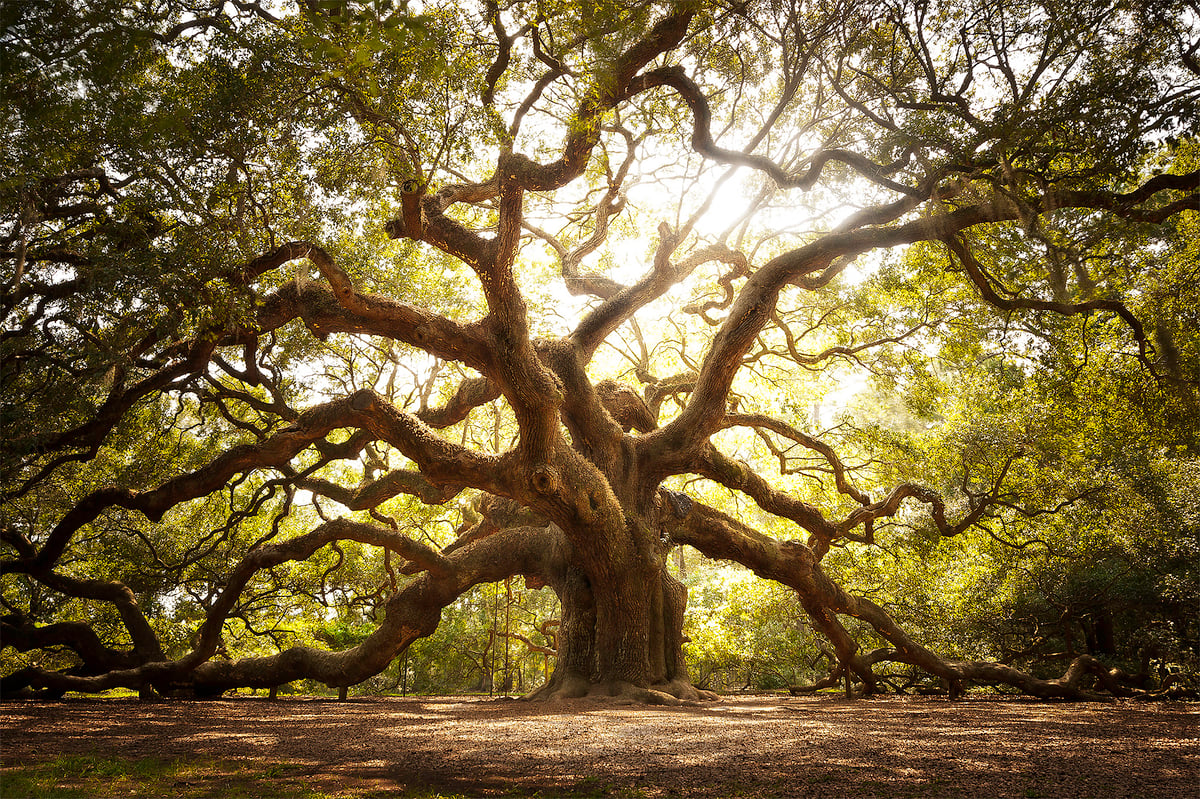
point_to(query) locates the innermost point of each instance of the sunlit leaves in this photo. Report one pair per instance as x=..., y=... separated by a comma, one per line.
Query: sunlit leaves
x=746, y=633
x=145, y=187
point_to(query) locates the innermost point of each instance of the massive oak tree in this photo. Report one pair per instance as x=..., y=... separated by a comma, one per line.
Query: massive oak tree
x=284, y=282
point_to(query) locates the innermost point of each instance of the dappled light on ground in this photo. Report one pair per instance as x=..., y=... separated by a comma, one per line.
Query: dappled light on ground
x=759, y=746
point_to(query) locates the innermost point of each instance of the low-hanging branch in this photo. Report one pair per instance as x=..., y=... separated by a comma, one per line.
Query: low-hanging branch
x=232, y=400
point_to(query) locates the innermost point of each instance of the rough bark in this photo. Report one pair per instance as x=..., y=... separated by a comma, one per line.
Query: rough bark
x=577, y=503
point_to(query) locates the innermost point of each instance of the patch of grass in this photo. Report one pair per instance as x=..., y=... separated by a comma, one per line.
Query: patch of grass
x=88, y=776
x=594, y=787
x=99, y=775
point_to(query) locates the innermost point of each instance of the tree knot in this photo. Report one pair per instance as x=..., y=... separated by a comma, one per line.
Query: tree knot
x=362, y=400
x=544, y=480
x=680, y=503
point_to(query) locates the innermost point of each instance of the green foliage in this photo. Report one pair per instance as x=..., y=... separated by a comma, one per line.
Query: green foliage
x=746, y=633
x=1093, y=548
x=152, y=152
x=469, y=651
x=101, y=775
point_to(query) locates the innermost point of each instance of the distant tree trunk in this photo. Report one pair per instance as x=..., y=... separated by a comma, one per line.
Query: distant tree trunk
x=1106, y=640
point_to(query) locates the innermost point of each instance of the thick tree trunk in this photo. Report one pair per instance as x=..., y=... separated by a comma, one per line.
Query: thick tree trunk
x=625, y=640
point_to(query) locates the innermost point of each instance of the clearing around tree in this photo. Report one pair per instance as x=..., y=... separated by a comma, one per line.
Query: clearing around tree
x=746, y=746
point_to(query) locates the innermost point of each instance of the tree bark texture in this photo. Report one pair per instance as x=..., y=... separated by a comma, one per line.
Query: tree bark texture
x=577, y=502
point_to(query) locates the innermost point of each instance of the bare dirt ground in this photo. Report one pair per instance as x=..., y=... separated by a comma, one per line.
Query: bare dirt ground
x=741, y=746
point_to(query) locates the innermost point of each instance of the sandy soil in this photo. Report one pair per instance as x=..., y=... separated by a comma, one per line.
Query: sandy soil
x=741, y=746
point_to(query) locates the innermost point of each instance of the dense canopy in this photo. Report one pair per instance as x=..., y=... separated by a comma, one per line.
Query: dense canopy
x=319, y=316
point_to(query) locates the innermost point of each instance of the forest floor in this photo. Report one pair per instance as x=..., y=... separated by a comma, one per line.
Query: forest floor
x=744, y=746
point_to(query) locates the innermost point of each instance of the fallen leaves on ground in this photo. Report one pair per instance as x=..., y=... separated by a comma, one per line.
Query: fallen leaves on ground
x=741, y=746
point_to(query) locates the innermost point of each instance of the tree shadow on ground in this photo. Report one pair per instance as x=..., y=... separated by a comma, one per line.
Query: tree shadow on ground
x=760, y=746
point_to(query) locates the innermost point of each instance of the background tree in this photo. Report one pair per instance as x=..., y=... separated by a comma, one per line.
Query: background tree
x=318, y=317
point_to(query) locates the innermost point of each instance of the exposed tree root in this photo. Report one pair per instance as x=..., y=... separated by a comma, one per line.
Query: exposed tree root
x=574, y=686
x=568, y=686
